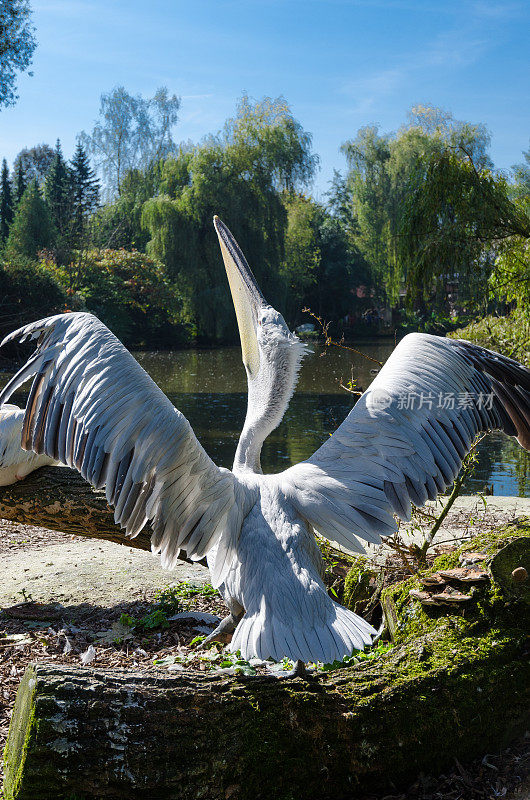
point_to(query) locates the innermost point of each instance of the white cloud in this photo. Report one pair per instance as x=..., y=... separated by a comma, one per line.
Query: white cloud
x=452, y=49
x=496, y=10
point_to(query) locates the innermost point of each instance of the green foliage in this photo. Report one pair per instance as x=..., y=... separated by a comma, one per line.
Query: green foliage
x=122, y=630
x=428, y=209
x=419, y=212
x=369, y=183
x=302, y=253
x=453, y=216
x=32, y=228
x=212, y=659
x=508, y=335
x=510, y=279
x=129, y=291
x=357, y=657
x=34, y=163
x=156, y=619
x=58, y=195
x=170, y=598
x=169, y=601
x=321, y=263
x=357, y=589
x=19, y=183
x=238, y=174
x=132, y=131
x=118, y=224
x=17, y=43
x=85, y=192
x=26, y=289
x=521, y=189
x=6, y=203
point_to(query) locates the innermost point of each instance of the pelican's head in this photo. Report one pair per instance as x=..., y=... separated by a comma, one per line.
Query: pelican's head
x=271, y=353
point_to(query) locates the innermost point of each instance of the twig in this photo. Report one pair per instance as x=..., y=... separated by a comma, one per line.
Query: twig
x=324, y=326
x=421, y=552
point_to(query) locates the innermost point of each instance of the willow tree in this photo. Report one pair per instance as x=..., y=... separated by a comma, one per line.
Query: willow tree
x=511, y=274
x=455, y=218
x=370, y=187
x=239, y=174
x=427, y=205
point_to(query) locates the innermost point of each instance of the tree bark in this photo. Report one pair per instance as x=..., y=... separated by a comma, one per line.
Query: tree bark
x=59, y=499
x=457, y=685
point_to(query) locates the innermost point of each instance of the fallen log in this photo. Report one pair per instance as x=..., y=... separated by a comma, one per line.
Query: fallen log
x=455, y=685
x=59, y=499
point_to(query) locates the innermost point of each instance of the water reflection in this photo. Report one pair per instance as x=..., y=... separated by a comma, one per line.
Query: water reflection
x=221, y=370
x=209, y=387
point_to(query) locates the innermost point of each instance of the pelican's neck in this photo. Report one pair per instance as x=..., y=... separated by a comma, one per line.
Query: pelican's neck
x=247, y=458
x=268, y=397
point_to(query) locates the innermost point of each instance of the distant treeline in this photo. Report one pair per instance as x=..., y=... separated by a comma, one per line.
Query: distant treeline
x=420, y=220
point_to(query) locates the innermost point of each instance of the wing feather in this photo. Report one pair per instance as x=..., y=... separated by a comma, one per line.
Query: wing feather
x=387, y=455
x=93, y=407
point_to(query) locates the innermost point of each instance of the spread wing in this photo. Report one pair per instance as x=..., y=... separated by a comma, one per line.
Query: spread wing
x=94, y=408
x=405, y=439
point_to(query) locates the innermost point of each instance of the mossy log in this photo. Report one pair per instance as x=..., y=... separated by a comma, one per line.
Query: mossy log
x=59, y=499
x=456, y=684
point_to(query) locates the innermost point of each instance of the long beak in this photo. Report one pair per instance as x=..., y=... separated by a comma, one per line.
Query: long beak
x=246, y=295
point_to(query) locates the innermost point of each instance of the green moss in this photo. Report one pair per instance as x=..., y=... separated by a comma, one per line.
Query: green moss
x=440, y=693
x=514, y=555
x=21, y=730
x=357, y=588
x=490, y=606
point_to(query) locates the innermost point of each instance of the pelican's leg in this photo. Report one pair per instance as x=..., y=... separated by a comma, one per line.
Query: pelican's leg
x=223, y=632
x=298, y=671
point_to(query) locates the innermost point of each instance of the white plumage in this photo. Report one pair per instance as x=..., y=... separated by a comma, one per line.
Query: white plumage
x=94, y=408
x=16, y=463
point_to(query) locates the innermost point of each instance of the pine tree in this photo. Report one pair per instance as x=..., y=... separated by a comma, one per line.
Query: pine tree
x=32, y=228
x=6, y=203
x=58, y=195
x=85, y=190
x=20, y=184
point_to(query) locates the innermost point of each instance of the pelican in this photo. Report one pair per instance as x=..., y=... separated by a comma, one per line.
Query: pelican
x=92, y=406
x=16, y=463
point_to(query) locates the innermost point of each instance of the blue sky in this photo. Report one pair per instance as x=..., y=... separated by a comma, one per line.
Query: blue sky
x=341, y=64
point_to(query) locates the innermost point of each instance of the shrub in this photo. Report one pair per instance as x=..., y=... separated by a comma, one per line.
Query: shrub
x=130, y=292
x=28, y=291
x=507, y=335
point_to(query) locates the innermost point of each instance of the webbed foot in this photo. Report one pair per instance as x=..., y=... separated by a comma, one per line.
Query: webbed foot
x=223, y=632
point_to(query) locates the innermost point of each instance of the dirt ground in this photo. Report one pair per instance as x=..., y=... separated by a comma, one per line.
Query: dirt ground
x=76, y=601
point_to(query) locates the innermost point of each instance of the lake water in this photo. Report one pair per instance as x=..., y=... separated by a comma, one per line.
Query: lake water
x=209, y=387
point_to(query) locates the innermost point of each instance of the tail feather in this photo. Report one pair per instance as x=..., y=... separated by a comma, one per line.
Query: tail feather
x=262, y=635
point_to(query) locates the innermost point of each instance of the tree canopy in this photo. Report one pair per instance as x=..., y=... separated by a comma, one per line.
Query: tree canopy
x=420, y=223
x=131, y=132
x=17, y=43
x=239, y=174
x=6, y=203
x=32, y=228
x=430, y=210
x=33, y=163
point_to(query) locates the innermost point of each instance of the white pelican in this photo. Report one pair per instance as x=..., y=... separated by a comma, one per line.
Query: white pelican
x=16, y=463
x=93, y=407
